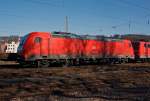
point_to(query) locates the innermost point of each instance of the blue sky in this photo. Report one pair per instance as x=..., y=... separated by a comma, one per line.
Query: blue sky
x=19, y=17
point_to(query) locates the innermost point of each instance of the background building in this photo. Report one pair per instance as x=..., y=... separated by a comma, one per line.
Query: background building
x=9, y=44
x=12, y=47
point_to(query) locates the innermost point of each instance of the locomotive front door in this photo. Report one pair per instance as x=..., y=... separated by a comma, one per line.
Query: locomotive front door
x=44, y=47
x=41, y=47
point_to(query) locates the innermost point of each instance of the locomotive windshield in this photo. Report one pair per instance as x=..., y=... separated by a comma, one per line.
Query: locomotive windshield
x=22, y=41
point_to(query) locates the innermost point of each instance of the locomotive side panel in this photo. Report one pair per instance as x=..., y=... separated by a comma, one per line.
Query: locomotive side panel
x=118, y=50
x=57, y=48
x=66, y=46
x=128, y=49
x=76, y=48
x=93, y=48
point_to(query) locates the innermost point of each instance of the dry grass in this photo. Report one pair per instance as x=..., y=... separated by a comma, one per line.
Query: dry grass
x=110, y=82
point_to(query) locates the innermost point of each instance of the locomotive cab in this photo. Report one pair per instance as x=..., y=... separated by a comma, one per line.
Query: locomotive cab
x=33, y=47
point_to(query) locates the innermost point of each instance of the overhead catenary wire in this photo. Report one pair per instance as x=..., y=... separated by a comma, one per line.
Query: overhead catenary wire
x=110, y=17
x=135, y=5
x=43, y=3
x=49, y=4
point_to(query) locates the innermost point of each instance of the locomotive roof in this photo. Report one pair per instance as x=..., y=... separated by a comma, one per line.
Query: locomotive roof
x=96, y=37
x=113, y=39
x=65, y=34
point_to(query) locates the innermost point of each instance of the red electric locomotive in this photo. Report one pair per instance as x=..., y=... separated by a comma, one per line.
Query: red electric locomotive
x=41, y=48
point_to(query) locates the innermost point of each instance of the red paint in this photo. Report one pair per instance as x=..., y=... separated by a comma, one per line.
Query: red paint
x=144, y=49
x=93, y=48
x=118, y=49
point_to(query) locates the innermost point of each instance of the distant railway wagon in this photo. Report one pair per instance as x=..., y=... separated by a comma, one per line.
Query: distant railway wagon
x=44, y=48
x=141, y=50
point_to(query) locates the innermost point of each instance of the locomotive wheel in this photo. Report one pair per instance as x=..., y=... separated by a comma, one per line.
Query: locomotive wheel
x=66, y=63
x=77, y=62
x=42, y=63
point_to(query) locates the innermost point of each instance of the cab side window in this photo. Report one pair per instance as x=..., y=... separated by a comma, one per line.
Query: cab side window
x=37, y=40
